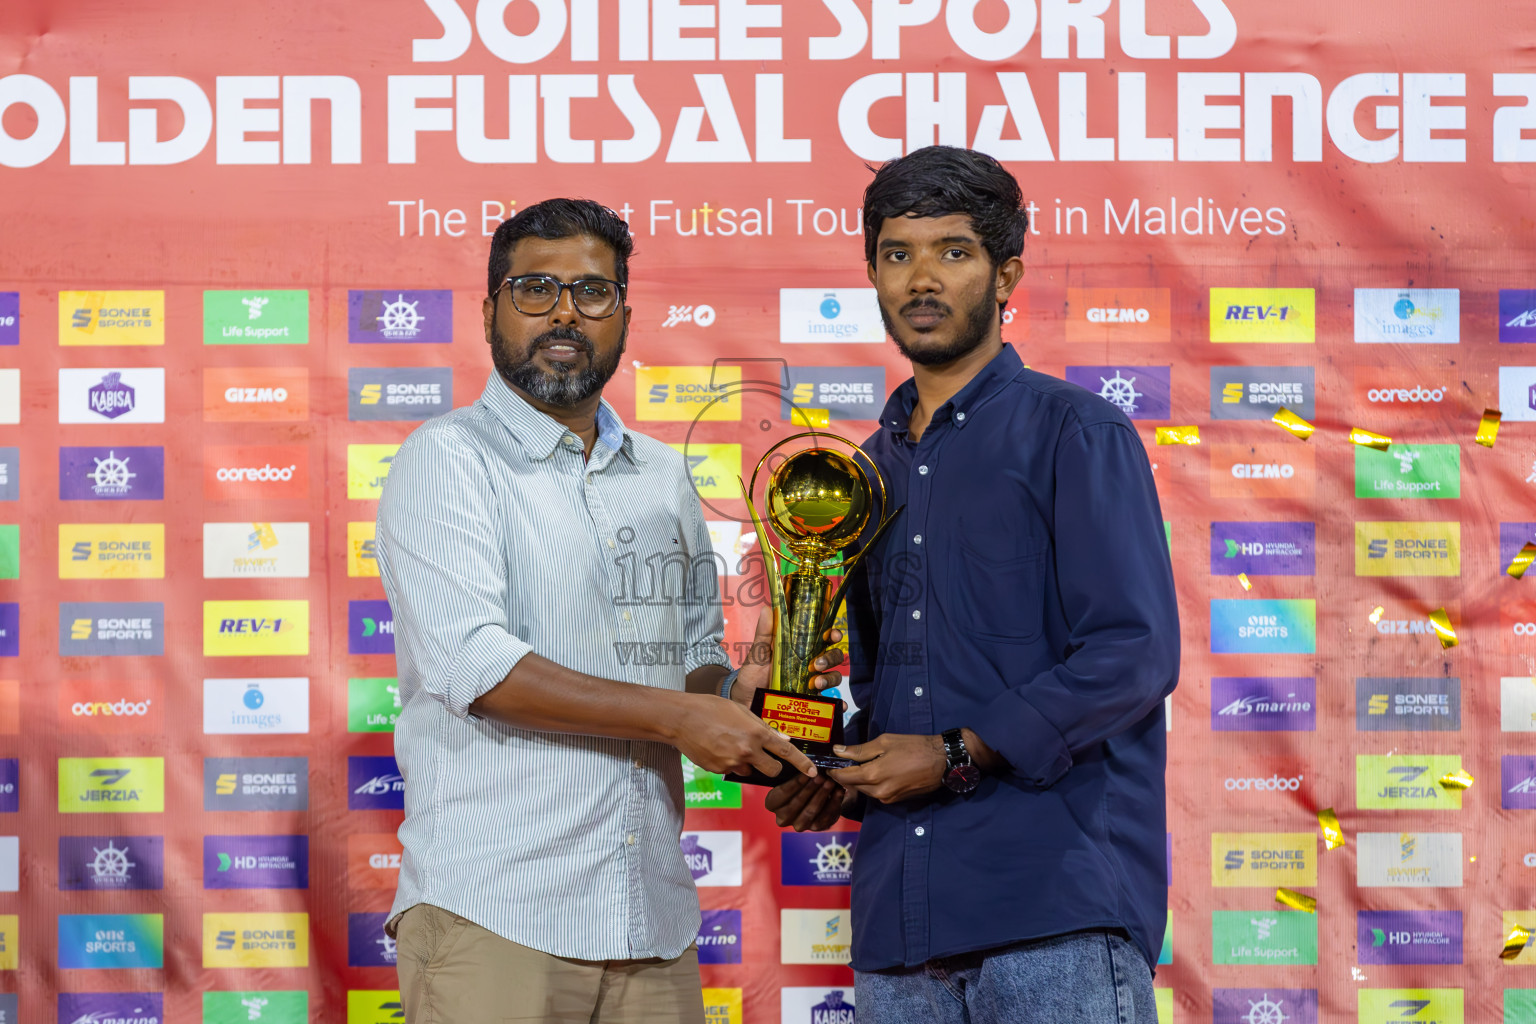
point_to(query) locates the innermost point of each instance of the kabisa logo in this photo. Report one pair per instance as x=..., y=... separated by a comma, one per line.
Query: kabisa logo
x=370, y=628
x=94, y=706
x=714, y=468
x=1411, y=1005
x=1263, y=315
x=110, y=1008
x=719, y=938
x=112, y=318
x=817, y=858
x=1517, y=393
x=1388, y=782
x=1118, y=314
x=111, y=785
x=713, y=858
x=111, y=863
x=269, y=471
x=118, y=473
x=107, y=628
x=367, y=945
x=1407, y=549
x=1264, y=859
x=1264, y=1006
x=255, y=628
x=845, y=392
x=1263, y=549
x=362, y=548
x=373, y=860
x=249, y=550
x=1517, y=315
x=1409, y=859
x=1262, y=471
x=815, y=1005
x=1252, y=626
x=111, y=395
x=255, y=784
x=255, y=940
x=1141, y=392
x=400, y=316
x=256, y=862
x=1408, y=471
x=265, y=1007
x=255, y=394
x=112, y=941
x=1407, y=705
x=367, y=468
x=407, y=393
x=10, y=318
x=811, y=315
x=111, y=551
x=373, y=705
x=255, y=706
x=1263, y=704
x=1272, y=937
x=1517, y=775
x=1408, y=936
x=688, y=393
x=374, y=1007
x=270, y=317
x=1396, y=316
x=701, y=315
x=374, y=783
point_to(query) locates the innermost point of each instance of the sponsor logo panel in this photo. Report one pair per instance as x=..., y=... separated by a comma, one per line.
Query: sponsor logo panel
x=822, y=315
x=1408, y=471
x=1408, y=620
x=111, y=941
x=255, y=862
x=815, y=936
x=111, y=785
x=112, y=318
x=112, y=708
x=111, y=551
x=1517, y=627
x=1141, y=392
x=10, y=474
x=266, y=1006
x=112, y=473
x=1517, y=780
x=255, y=394
x=1517, y=393
x=713, y=858
x=714, y=468
x=373, y=860
x=10, y=785
x=1407, y=549
x=256, y=471
x=1392, y=393
x=1254, y=626
x=400, y=316
x=1263, y=315
x=10, y=942
x=703, y=789
x=255, y=783
x=254, y=550
x=374, y=1007
x=719, y=938
x=1517, y=315
x=1407, y=704
x=1263, y=549
x=1525, y=919
x=1263, y=859
x=1263, y=704
x=722, y=1006
x=1258, y=392
x=255, y=940
x=845, y=392
x=367, y=945
x=1407, y=316
x=1263, y=1006
x=265, y=317
x=817, y=858
x=255, y=706
x=373, y=705
x=255, y=628
x=10, y=396
x=1264, y=937
x=362, y=549
x=1517, y=704
x=89, y=1007
x=1262, y=471
x=111, y=863
x=10, y=318
x=10, y=707
x=817, y=1005
x=1408, y=936
x=111, y=628
x=367, y=468
x=1245, y=782
x=1520, y=1003
x=1420, y=1005
x=1420, y=860
x=370, y=627
x=10, y=629
x=10, y=551
x=1387, y=782
x=374, y=784
x=688, y=393
x=124, y=395
x=1119, y=314
x=408, y=393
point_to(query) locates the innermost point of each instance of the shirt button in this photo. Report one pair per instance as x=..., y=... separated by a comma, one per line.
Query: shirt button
x=916, y=831
x=630, y=839
x=922, y=470
x=639, y=763
x=916, y=613
x=626, y=616
x=917, y=691
x=917, y=538
x=610, y=542
x=960, y=416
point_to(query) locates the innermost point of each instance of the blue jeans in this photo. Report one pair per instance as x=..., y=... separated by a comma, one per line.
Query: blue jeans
x=1082, y=978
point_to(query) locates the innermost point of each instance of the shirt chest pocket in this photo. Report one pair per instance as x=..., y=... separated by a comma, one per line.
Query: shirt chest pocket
x=997, y=596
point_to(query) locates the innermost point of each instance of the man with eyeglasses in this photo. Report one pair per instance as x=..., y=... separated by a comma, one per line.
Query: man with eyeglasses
x=542, y=877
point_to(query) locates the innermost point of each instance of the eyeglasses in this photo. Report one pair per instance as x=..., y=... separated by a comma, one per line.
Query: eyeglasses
x=596, y=298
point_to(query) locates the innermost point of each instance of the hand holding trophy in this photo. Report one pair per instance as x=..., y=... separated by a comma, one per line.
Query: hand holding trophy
x=818, y=501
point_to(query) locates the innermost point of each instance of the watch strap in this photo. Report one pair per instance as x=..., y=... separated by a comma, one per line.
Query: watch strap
x=955, y=753
x=728, y=681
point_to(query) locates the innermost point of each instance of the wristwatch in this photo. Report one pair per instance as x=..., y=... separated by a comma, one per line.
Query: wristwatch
x=961, y=775
x=727, y=681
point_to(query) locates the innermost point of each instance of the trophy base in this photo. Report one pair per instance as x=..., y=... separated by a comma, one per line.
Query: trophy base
x=813, y=723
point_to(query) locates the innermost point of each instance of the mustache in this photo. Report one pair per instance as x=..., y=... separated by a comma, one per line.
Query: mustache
x=926, y=302
x=568, y=335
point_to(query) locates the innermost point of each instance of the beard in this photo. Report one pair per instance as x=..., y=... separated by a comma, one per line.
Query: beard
x=978, y=324
x=562, y=386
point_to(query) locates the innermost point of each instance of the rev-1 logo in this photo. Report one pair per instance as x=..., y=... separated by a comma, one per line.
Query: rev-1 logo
x=1258, y=312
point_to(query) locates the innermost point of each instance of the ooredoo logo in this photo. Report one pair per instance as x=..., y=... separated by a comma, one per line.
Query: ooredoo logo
x=233, y=472
x=1393, y=392
x=112, y=707
x=1273, y=784
x=255, y=394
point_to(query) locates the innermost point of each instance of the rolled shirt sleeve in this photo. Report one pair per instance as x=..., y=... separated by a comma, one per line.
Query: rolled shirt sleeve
x=444, y=569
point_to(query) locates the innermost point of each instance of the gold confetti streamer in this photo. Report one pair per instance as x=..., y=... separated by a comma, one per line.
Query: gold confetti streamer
x=1295, y=424
x=1333, y=832
x=1515, y=942
x=1488, y=427
x=814, y=418
x=1443, y=629
x=1370, y=439
x=1296, y=900
x=1242, y=578
x=1178, y=435
x=1458, y=779
x=1523, y=560
x=1376, y=614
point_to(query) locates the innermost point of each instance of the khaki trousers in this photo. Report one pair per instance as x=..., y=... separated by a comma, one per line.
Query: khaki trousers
x=452, y=971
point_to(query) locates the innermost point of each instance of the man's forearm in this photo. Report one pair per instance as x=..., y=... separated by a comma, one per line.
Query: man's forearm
x=544, y=695
x=705, y=679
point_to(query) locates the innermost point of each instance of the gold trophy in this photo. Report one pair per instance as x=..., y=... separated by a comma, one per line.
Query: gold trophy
x=818, y=501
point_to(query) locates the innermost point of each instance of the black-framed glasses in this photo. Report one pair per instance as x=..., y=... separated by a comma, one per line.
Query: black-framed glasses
x=596, y=298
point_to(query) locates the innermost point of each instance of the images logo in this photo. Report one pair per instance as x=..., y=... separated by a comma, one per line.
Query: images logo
x=111, y=941
x=266, y=471
x=713, y=858
x=1517, y=704
x=112, y=708
x=1410, y=859
x=255, y=628
x=255, y=706
x=1263, y=1006
x=374, y=1007
x=362, y=549
x=10, y=318
x=1271, y=937
x=255, y=394
x=1407, y=705
x=845, y=392
x=1517, y=393
x=1407, y=316
x=706, y=789
x=1118, y=314
x=10, y=474
x=370, y=628
x=266, y=1006
x=1386, y=782
x=255, y=940
x=1263, y=549
x=111, y=551
x=398, y=393
x=367, y=468
x=1241, y=859
x=1407, y=549
x=111, y=396
x=255, y=784
x=111, y=318
x=815, y=936
x=688, y=393
x=373, y=705
x=1418, y=1005
x=719, y=938
x=111, y=785
x=105, y=1007
x=111, y=628
x=111, y=863
x=1263, y=704
x=1517, y=775
x=1272, y=315
x=714, y=468
x=374, y=783
x=813, y=315
x=1408, y=936
x=367, y=945
x=817, y=858
x=373, y=861
x=1262, y=471
x=270, y=317
x=400, y=316
x=118, y=473
x=1141, y=392
x=247, y=550
x=256, y=862
x=1251, y=626
x=1408, y=471
x=1517, y=315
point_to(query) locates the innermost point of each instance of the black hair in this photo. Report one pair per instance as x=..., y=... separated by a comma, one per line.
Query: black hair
x=560, y=218
x=937, y=181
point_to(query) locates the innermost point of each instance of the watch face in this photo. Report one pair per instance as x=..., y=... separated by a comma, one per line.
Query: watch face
x=962, y=778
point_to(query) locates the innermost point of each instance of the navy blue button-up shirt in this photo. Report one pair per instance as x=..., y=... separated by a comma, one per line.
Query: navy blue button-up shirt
x=1025, y=592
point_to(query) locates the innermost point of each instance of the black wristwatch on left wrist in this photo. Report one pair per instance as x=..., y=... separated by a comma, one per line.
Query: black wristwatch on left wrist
x=960, y=774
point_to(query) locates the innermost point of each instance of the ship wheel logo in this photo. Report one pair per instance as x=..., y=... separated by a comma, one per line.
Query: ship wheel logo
x=111, y=475
x=1265, y=1011
x=400, y=319
x=1120, y=392
x=833, y=862
x=111, y=864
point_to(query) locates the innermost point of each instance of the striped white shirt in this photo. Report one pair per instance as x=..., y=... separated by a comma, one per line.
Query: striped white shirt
x=496, y=538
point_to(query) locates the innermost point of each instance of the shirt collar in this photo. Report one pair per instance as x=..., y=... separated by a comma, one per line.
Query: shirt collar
x=540, y=434
x=1003, y=368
